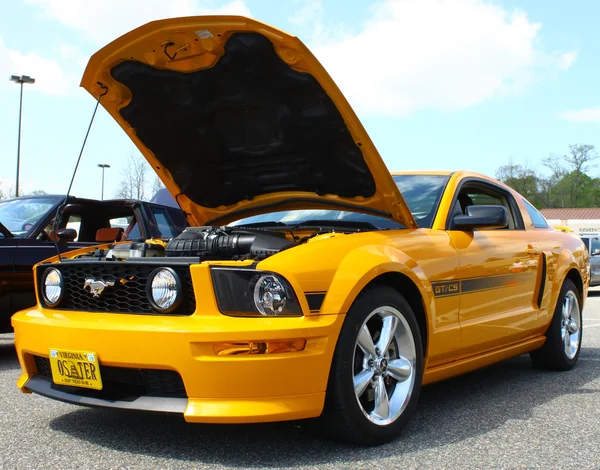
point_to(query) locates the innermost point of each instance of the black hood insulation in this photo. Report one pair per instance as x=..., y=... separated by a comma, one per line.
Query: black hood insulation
x=248, y=126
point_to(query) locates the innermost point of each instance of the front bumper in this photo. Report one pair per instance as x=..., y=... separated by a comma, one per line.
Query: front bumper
x=219, y=388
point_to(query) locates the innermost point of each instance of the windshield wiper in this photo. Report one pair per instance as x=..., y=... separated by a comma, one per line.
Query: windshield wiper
x=270, y=223
x=345, y=224
x=317, y=224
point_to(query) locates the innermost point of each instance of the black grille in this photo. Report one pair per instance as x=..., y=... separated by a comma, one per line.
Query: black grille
x=121, y=383
x=127, y=295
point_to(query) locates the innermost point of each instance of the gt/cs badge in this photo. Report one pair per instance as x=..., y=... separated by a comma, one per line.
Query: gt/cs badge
x=97, y=286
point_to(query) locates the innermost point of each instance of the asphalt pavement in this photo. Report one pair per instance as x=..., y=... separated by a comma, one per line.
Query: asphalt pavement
x=506, y=416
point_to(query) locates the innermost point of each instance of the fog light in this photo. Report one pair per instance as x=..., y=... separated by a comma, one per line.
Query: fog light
x=245, y=348
x=269, y=295
x=53, y=287
x=164, y=289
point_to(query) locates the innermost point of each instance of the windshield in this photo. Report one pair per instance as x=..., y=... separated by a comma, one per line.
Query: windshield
x=20, y=215
x=422, y=193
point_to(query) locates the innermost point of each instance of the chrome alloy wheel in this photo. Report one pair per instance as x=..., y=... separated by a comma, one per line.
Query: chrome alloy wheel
x=570, y=325
x=384, y=365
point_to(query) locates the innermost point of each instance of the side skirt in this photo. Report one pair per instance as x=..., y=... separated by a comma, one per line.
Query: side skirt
x=462, y=366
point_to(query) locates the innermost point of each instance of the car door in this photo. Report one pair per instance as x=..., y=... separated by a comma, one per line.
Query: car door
x=33, y=249
x=498, y=273
x=7, y=254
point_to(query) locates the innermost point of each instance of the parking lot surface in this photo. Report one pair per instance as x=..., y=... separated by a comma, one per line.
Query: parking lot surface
x=506, y=416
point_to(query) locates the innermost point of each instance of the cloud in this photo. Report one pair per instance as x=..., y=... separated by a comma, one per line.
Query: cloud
x=582, y=115
x=50, y=76
x=431, y=54
x=112, y=18
x=566, y=59
x=309, y=12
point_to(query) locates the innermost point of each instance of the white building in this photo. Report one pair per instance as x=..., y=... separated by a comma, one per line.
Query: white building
x=581, y=221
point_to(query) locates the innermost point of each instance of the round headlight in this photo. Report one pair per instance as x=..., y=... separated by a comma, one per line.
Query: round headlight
x=269, y=296
x=52, y=289
x=164, y=289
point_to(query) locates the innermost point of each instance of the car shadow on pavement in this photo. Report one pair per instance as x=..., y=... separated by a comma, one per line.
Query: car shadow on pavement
x=8, y=355
x=448, y=412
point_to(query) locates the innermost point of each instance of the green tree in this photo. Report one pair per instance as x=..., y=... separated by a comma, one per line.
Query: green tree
x=523, y=180
x=568, y=178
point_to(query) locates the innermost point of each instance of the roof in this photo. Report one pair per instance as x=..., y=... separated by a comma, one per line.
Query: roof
x=583, y=213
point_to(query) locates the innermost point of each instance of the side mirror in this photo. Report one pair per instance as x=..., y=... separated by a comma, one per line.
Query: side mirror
x=489, y=217
x=596, y=252
x=66, y=235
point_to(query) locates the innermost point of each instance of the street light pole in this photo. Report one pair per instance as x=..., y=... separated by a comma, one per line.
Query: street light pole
x=20, y=80
x=103, y=166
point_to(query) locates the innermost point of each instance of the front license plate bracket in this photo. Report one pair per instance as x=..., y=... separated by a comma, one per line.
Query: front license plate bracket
x=75, y=368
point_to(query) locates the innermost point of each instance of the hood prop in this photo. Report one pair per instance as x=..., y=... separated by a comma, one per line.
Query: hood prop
x=61, y=241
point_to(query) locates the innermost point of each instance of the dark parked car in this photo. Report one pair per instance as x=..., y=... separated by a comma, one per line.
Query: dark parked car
x=27, y=236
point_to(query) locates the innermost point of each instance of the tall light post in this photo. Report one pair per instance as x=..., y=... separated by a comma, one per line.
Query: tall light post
x=20, y=79
x=103, y=166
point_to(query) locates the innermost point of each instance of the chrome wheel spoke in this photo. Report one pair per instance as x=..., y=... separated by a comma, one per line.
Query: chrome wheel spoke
x=365, y=341
x=362, y=381
x=388, y=330
x=399, y=369
x=566, y=310
x=382, y=404
x=567, y=341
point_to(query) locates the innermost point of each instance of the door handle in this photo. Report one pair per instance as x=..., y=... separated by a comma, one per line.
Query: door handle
x=533, y=250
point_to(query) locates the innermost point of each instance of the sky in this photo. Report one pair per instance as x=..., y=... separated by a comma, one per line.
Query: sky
x=438, y=84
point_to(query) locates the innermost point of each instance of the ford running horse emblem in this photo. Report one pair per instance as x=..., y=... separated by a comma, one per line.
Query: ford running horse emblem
x=97, y=287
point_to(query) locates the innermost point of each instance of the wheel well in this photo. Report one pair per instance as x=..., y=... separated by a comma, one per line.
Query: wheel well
x=410, y=292
x=574, y=276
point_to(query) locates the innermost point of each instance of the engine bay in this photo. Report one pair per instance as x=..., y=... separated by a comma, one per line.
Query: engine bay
x=204, y=243
x=225, y=243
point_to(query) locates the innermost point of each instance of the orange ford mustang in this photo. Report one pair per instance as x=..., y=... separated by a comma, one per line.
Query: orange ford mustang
x=312, y=282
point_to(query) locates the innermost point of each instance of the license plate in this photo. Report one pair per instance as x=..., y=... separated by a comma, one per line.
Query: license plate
x=75, y=368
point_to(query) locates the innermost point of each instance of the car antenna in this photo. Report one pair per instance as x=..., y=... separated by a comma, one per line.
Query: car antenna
x=62, y=206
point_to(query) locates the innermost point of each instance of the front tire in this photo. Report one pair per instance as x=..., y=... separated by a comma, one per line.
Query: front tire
x=563, y=338
x=376, y=370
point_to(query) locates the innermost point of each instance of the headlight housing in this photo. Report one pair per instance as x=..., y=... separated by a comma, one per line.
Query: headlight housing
x=164, y=290
x=52, y=287
x=247, y=292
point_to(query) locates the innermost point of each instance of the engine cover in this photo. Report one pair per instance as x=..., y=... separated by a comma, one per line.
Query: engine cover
x=212, y=243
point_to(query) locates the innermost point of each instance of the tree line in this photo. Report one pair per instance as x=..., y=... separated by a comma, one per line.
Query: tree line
x=568, y=185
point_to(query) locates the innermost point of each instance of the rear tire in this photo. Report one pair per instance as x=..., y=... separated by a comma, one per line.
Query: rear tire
x=376, y=372
x=563, y=338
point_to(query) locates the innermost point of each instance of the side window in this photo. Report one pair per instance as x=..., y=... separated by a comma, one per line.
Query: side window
x=595, y=244
x=121, y=222
x=134, y=232
x=74, y=222
x=537, y=218
x=178, y=219
x=163, y=222
x=483, y=194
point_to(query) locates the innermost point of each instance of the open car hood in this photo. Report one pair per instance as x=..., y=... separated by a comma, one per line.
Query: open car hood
x=238, y=118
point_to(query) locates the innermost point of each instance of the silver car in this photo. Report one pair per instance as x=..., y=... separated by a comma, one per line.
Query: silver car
x=592, y=243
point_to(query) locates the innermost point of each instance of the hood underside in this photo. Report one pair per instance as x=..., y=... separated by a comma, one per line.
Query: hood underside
x=238, y=118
